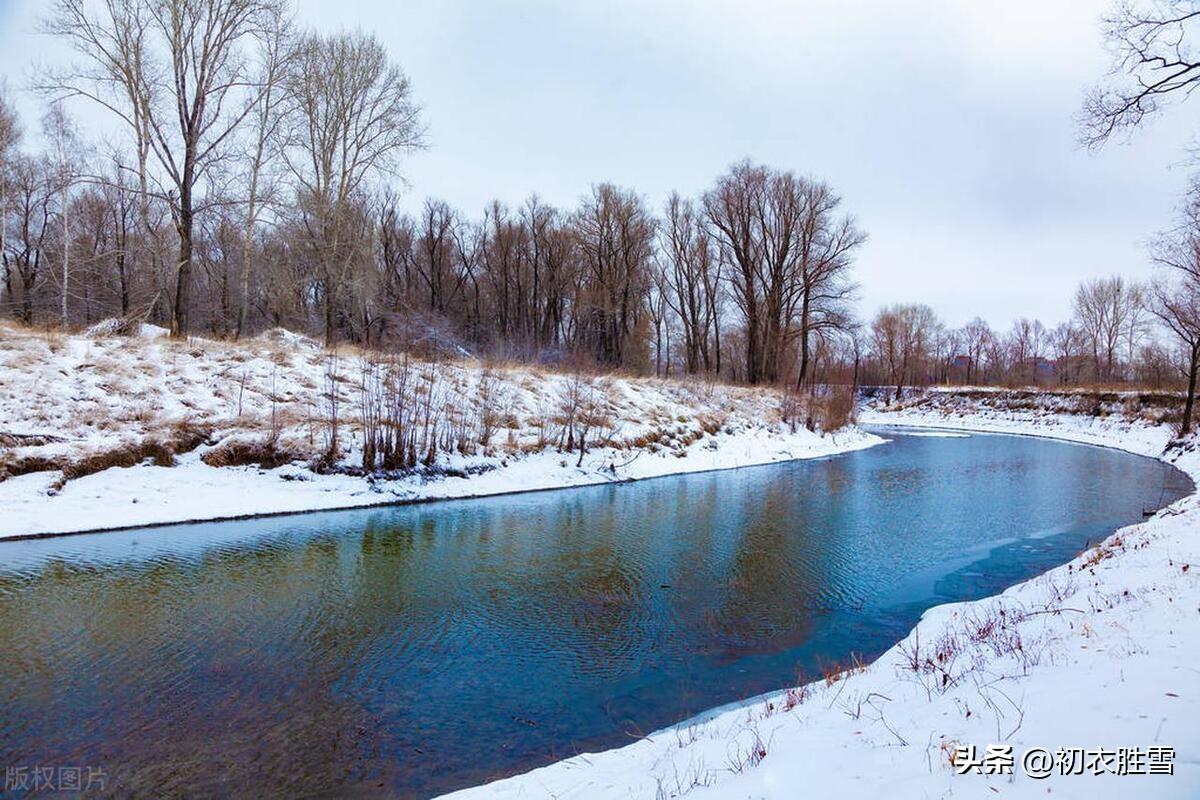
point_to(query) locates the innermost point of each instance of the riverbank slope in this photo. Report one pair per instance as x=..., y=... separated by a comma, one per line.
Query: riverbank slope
x=122, y=427
x=1099, y=654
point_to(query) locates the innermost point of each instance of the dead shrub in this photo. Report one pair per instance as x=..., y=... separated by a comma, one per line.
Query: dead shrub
x=835, y=409
x=791, y=407
x=186, y=436
x=796, y=696
x=239, y=452
x=836, y=671
x=27, y=439
x=13, y=466
x=126, y=455
x=1102, y=552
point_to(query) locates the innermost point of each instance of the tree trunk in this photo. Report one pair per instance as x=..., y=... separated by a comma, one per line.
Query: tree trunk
x=752, y=346
x=1190, y=404
x=8, y=282
x=66, y=267
x=244, y=308
x=183, y=280
x=717, y=343
x=804, y=315
x=329, y=315
x=121, y=272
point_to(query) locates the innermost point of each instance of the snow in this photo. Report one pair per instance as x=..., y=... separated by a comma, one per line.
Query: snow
x=1100, y=652
x=101, y=391
x=124, y=327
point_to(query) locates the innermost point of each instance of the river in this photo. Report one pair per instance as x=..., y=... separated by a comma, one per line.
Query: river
x=413, y=650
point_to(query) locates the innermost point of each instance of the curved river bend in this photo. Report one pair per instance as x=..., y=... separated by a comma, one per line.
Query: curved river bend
x=413, y=650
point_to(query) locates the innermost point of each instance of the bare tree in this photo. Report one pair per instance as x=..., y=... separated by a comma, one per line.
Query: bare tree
x=65, y=150
x=1136, y=326
x=887, y=339
x=10, y=135
x=615, y=232
x=436, y=256
x=1065, y=343
x=1176, y=298
x=733, y=209
x=1103, y=308
x=264, y=145
x=790, y=255
x=113, y=43
x=901, y=336
x=826, y=246
x=351, y=117
x=1025, y=343
x=690, y=278
x=33, y=190
x=657, y=305
x=1177, y=306
x=976, y=335
x=1154, y=60
x=944, y=349
x=175, y=72
x=553, y=262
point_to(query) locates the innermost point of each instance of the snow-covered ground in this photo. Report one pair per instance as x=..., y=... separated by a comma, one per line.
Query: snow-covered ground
x=1101, y=654
x=69, y=401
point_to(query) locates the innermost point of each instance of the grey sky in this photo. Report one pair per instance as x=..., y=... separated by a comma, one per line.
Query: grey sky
x=946, y=126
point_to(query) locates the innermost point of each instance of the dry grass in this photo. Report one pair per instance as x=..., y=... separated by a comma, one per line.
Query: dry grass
x=160, y=450
x=1101, y=552
x=110, y=397
x=836, y=671
x=796, y=696
x=26, y=439
x=148, y=450
x=835, y=409
x=12, y=466
x=237, y=452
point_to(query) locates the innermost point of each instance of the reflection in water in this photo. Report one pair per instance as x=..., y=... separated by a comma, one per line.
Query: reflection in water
x=414, y=650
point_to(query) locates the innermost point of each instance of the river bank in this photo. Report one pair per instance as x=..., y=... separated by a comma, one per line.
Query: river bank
x=101, y=431
x=1099, y=653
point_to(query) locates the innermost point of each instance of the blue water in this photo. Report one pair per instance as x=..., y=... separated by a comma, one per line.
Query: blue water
x=413, y=650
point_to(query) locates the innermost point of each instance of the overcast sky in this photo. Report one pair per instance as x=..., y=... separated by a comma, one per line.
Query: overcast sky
x=946, y=126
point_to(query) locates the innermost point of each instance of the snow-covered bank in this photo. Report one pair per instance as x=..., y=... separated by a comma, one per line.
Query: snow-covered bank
x=176, y=414
x=1101, y=653
x=192, y=490
x=1119, y=422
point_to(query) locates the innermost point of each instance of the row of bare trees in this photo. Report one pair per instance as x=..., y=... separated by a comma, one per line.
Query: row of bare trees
x=1110, y=338
x=252, y=181
x=1121, y=332
x=737, y=282
x=226, y=116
